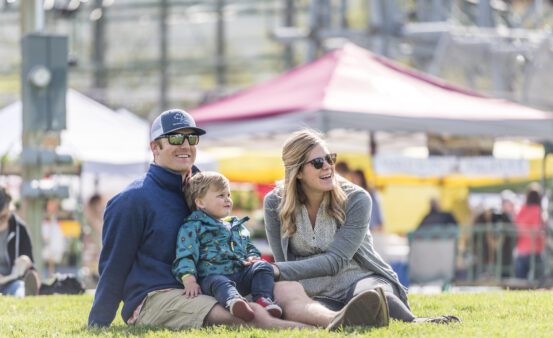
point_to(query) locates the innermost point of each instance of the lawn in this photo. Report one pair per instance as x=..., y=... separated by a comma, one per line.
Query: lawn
x=491, y=314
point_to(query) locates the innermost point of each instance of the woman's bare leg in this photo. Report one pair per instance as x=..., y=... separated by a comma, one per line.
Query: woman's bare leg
x=298, y=306
x=264, y=320
x=220, y=316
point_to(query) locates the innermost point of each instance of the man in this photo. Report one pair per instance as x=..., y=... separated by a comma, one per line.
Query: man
x=436, y=216
x=139, y=240
x=17, y=276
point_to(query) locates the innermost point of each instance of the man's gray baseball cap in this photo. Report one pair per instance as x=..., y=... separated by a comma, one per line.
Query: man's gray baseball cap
x=171, y=120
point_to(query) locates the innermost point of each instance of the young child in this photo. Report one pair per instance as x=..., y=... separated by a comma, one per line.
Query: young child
x=215, y=250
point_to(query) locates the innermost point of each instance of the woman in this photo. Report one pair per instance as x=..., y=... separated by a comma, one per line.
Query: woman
x=377, y=222
x=317, y=225
x=531, y=236
x=52, y=237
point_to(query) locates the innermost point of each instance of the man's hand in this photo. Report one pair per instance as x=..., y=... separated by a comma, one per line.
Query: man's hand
x=250, y=260
x=191, y=287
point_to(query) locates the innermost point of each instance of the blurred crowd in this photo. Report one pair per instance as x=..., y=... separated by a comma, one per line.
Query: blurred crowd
x=505, y=241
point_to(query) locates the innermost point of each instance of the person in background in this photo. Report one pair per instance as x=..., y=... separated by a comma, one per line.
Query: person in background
x=214, y=251
x=52, y=236
x=436, y=216
x=376, y=223
x=317, y=225
x=531, y=236
x=141, y=224
x=342, y=169
x=508, y=204
x=93, y=213
x=492, y=234
x=17, y=275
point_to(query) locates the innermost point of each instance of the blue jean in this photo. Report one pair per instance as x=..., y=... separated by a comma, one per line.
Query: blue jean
x=257, y=279
x=523, y=266
x=14, y=288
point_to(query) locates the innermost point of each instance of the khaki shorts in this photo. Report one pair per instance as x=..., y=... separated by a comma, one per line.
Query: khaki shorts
x=171, y=309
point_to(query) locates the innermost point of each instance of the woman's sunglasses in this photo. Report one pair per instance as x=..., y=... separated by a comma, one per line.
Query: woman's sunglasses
x=178, y=139
x=318, y=162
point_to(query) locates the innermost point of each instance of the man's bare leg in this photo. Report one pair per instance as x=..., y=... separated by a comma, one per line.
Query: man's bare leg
x=296, y=304
x=220, y=316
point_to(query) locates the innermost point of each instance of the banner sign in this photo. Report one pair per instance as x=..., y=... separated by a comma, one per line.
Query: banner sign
x=444, y=166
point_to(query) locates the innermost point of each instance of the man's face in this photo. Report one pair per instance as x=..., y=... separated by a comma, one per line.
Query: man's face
x=4, y=216
x=179, y=158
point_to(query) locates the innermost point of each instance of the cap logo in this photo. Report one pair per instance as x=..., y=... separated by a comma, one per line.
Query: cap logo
x=179, y=117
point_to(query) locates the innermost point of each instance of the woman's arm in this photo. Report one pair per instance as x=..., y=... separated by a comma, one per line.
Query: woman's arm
x=272, y=225
x=347, y=240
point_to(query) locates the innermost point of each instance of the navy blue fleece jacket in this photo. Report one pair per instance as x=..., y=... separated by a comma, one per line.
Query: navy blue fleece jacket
x=139, y=235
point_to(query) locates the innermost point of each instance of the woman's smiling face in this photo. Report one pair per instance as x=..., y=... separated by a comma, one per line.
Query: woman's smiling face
x=317, y=180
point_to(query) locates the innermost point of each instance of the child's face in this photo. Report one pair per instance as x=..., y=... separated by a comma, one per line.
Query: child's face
x=216, y=203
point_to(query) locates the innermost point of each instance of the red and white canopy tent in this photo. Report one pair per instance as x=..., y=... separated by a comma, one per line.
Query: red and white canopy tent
x=352, y=88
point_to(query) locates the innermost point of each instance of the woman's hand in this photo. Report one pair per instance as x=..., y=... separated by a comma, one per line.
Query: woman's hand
x=191, y=287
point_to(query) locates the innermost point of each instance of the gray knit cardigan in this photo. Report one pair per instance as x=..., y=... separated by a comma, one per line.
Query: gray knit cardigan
x=352, y=241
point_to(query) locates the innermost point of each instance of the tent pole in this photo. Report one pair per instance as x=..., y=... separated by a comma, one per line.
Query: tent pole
x=373, y=146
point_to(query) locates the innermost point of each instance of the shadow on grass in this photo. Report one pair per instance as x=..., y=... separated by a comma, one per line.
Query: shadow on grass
x=129, y=330
x=122, y=330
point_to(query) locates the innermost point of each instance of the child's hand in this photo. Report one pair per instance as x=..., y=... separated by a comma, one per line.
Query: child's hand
x=191, y=287
x=250, y=260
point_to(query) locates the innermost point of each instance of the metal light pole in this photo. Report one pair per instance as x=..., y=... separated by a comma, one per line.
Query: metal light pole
x=43, y=89
x=32, y=20
x=163, y=56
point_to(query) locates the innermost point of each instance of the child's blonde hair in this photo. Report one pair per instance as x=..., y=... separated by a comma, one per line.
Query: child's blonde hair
x=199, y=184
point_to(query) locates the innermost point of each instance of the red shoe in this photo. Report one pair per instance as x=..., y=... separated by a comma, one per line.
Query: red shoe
x=273, y=309
x=238, y=307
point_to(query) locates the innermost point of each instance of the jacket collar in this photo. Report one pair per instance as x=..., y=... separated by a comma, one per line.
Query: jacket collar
x=199, y=215
x=168, y=179
x=12, y=222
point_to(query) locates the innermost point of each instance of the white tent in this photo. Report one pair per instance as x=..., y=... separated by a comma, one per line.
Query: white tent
x=106, y=142
x=103, y=140
x=100, y=138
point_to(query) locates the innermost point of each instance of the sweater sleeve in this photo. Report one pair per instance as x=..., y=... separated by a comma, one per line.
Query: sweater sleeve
x=188, y=250
x=124, y=223
x=347, y=240
x=272, y=225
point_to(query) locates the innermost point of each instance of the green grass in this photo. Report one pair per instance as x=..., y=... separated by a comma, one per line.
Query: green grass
x=492, y=314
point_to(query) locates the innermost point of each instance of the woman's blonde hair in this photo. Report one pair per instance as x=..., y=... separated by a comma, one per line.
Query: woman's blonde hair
x=294, y=156
x=199, y=184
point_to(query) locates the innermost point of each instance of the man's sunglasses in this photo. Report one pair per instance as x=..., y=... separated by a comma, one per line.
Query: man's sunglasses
x=318, y=162
x=178, y=139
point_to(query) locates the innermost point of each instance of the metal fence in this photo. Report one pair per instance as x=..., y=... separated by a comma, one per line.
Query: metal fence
x=482, y=254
